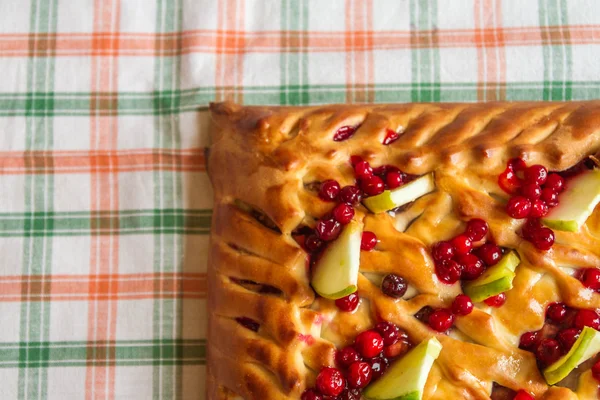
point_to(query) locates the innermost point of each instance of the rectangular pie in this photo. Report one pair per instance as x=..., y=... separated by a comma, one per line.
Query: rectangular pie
x=405, y=251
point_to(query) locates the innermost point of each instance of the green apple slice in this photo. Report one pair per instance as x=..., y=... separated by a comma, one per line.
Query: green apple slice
x=587, y=346
x=405, y=379
x=577, y=202
x=495, y=280
x=335, y=274
x=390, y=199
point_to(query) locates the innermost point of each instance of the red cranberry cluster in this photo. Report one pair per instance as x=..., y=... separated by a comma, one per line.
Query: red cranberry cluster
x=374, y=181
x=458, y=259
x=442, y=319
x=371, y=182
x=359, y=364
x=534, y=191
x=562, y=328
x=590, y=278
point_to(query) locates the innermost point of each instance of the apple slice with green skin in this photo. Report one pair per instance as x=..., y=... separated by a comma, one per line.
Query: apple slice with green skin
x=335, y=274
x=405, y=379
x=586, y=347
x=576, y=203
x=391, y=199
x=495, y=280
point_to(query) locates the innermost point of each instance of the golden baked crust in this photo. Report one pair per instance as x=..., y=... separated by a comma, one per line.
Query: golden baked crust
x=262, y=163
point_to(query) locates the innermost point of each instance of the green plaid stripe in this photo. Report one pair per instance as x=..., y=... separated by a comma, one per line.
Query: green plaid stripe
x=426, y=61
x=169, y=221
x=558, y=60
x=39, y=195
x=41, y=355
x=168, y=193
x=178, y=101
x=294, y=65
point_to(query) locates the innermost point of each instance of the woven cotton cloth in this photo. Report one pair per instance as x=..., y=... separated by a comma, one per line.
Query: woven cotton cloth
x=105, y=203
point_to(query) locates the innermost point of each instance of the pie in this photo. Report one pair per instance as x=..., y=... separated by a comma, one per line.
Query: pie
x=346, y=236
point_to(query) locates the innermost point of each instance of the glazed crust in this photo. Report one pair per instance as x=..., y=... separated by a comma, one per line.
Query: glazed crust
x=265, y=163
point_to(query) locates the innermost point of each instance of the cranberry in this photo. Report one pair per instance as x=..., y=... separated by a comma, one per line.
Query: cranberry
x=390, y=137
x=394, y=286
x=587, y=318
x=448, y=271
x=350, y=195
x=532, y=191
x=508, y=181
x=344, y=133
x=555, y=182
x=518, y=207
x=529, y=340
x=530, y=227
x=347, y=356
x=556, y=312
x=369, y=343
x=362, y=170
x=543, y=238
x=568, y=337
x=372, y=185
x=539, y=209
x=523, y=395
x=596, y=371
x=359, y=374
x=248, y=323
x=548, y=351
x=349, y=394
x=516, y=164
x=442, y=251
x=343, y=213
x=536, y=174
x=311, y=394
x=424, y=313
x=368, y=241
x=313, y=243
x=476, y=229
x=393, y=179
x=550, y=197
x=462, y=305
x=441, y=320
x=328, y=229
x=462, y=244
x=378, y=366
x=348, y=303
x=330, y=381
x=472, y=266
x=489, y=253
x=389, y=332
x=383, y=170
x=496, y=301
x=591, y=278
x=329, y=190
x=355, y=160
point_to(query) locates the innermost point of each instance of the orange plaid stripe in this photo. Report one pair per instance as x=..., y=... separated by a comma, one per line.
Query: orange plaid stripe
x=359, y=61
x=491, y=54
x=102, y=287
x=237, y=41
x=101, y=161
x=104, y=252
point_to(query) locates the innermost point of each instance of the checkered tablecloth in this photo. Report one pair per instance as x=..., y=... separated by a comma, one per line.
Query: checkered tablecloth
x=105, y=204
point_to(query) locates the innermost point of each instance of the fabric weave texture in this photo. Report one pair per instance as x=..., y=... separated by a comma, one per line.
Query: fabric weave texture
x=105, y=204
